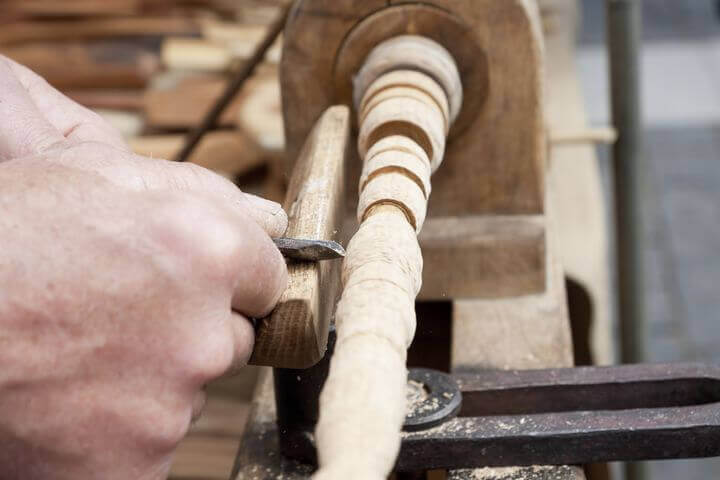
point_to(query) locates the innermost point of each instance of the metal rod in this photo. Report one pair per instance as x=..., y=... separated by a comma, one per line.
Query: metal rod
x=624, y=25
x=233, y=87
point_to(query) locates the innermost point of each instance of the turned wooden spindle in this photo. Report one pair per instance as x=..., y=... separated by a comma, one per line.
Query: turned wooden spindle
x=406, y=95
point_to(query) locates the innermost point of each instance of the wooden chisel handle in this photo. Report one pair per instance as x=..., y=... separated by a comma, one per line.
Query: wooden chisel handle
x=295, y=334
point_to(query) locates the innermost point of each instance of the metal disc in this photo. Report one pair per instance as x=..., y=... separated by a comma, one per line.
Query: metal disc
x=433, y=398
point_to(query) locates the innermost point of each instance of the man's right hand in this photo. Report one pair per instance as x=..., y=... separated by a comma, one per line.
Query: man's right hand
x=125, y=286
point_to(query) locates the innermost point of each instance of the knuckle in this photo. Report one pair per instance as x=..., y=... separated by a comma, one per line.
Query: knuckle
x=195, y=230
x=208, y=357
x=188, y=175
x=168, y=427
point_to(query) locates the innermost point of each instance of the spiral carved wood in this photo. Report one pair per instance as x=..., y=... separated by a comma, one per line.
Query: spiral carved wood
x=407, y=94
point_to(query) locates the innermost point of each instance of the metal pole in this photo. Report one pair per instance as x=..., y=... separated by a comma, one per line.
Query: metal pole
x=624, y=25
x=233, y=87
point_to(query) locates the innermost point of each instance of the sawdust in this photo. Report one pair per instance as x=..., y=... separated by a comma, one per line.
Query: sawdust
x=416, y=395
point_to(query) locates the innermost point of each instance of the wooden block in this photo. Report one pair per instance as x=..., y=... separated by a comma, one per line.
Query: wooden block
x=231, y=153
x=523, y=332
x=260, y=114
x=204, y=457
x=66, y=8
x=183, y=106
x=34, y=31
x=295, y=334
x=195, y=54
x=482, y=257
x=81, y=65
x=259, y=12
x=241, y=39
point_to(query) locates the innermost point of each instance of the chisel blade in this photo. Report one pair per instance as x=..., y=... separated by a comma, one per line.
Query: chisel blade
x=309, y=250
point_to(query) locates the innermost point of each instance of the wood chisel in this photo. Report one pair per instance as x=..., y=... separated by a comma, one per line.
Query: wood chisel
x=309, y=250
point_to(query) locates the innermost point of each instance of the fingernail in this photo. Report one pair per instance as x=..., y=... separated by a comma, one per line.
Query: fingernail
x=268, y=206
x=270, y=216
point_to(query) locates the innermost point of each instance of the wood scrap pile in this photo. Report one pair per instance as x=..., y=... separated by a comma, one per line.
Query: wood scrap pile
x=153, y=68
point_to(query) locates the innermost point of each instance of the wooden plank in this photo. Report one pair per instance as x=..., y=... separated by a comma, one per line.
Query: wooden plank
x=241, y=38
x=231, y=153
x=112, y=99
x=582, y=217
x=33, y=31
x=82, y=65
x=183, y=105
x=260, y=114
x=295, y=334
x=529, y=331
x=208, y=457
x=66, y=8
x=195, y=54
x=482, y=256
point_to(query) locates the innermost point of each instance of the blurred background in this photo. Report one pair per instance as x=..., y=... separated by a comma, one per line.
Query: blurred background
x=154, y=67
x=680, y=184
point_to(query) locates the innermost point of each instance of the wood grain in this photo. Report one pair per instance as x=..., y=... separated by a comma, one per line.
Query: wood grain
x=195, y=54
x=183, y=105
x=362, y=405
x=32, y=31
x=312, y=41
x=482, y=256
x=76, y=65
x=65, y=8
x=260, y=114
x=524, y=332
x=495, y=164
x=577, y=185
x=295, y=334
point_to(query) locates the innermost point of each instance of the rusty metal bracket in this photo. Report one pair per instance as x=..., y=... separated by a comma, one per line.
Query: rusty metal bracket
x=559, y=417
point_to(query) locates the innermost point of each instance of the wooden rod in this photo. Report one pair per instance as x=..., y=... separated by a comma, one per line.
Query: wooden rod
x=404, y=116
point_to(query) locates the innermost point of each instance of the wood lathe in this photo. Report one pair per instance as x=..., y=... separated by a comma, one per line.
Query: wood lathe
x=378, y=98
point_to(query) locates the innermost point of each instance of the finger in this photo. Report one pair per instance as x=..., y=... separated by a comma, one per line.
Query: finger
x=260, y=275
x=75, y=122
x=243, y=340
x=164, y=174
x=188, y=176
x=224, y=245
x=268, y=214
x=23, y=129
x=142, y=174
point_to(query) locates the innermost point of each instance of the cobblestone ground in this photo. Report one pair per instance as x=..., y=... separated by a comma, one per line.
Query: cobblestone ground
x=681, y=110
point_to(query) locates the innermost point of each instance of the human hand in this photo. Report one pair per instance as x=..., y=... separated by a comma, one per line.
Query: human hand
x=125, y=286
